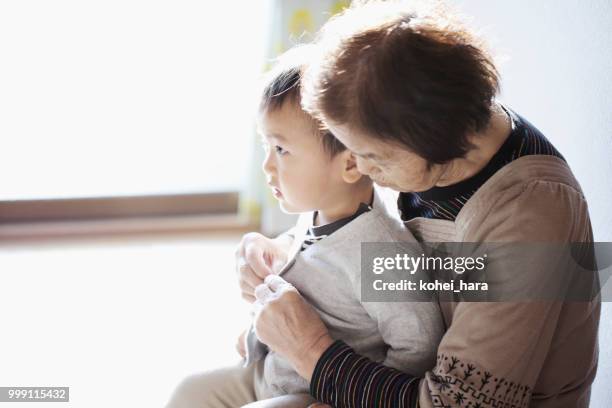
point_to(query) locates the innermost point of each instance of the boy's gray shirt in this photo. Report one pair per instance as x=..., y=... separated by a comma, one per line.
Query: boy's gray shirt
x=402, y=335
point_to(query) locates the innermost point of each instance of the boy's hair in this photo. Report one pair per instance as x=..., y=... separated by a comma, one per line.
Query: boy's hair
x=283, y=85
x=406, y=73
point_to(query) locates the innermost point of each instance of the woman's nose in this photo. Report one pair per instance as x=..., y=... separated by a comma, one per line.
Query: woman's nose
x=364, y=166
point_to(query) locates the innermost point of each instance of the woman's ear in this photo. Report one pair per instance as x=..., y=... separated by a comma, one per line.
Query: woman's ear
x=350, y=174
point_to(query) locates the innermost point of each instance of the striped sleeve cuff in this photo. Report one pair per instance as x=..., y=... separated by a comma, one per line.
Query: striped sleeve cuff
x=343, y=378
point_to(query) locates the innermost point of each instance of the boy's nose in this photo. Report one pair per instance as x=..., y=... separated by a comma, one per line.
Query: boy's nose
x=268, y=165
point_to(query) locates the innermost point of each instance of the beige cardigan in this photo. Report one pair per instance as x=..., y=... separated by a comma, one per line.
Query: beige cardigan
x=537, y=354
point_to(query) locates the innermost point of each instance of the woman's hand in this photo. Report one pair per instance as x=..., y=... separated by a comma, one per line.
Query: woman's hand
x=289, y=325
x=257, y=257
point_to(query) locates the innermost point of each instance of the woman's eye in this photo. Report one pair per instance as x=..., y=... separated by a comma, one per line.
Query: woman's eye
x=280, y=150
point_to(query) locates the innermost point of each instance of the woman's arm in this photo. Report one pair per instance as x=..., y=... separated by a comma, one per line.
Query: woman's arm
x=492, y=353
x=343, y=378
x=338, y=376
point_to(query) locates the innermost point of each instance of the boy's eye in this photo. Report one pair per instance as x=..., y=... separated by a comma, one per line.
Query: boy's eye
x=280, y=150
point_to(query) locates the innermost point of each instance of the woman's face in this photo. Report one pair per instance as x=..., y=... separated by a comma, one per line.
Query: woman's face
x=388, y=164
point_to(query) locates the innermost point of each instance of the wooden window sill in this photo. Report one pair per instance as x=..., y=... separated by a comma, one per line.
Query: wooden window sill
x=122, y=227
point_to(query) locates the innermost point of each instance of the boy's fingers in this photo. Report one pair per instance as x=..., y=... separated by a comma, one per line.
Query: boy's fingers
x=245, y=287
x=255, y=259
x=277, y=265
x=276, y=283
x=248, y=279
x=248, y=296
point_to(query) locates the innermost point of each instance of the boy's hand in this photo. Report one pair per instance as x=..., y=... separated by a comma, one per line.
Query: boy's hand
x=240, y=344
x=258, y=256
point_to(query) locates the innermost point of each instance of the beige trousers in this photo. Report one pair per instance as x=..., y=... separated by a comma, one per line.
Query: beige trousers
x=231, y=387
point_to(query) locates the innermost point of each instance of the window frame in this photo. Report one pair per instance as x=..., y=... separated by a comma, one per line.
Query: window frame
x=121, y=215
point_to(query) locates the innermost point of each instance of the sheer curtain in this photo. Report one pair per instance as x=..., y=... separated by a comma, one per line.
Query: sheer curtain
x=291, y=22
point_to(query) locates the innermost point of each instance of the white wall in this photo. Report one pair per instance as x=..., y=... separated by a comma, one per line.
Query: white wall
x=558, y=75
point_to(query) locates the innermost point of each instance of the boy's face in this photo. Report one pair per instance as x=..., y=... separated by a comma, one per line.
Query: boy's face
x=300, y=172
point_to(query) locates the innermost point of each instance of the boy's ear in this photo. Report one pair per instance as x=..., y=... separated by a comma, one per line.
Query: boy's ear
x=350, y=174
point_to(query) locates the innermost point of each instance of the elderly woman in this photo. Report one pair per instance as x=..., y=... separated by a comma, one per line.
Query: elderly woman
x=412, y=95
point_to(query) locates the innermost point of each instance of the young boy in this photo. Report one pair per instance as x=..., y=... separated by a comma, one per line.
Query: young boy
x=312, y=173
